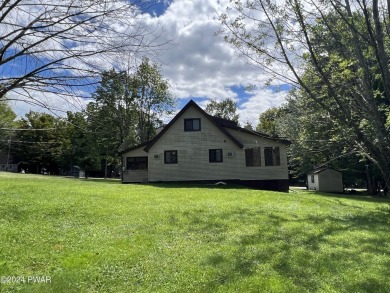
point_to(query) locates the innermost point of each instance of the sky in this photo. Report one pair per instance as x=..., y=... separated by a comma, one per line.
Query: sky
x=199, y=65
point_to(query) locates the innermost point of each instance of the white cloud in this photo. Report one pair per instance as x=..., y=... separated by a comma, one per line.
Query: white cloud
x=55, y=104
x=197, y=63
x=262, y=100
x=201, y=64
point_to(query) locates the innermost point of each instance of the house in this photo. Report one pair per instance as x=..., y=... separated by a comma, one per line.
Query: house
x=326, y=180
x=8, y=162
x=75, y=171
x=195, y=146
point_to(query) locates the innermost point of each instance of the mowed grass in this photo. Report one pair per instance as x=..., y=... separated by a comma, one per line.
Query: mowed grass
x=103, y=236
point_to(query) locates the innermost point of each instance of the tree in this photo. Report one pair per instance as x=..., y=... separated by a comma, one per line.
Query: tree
x=129, y=106
x=268, y=121
x=126, y=110
x=7, y=124
x=41, y=142
x=115, y=100
x=61, y=45
x=335, y=53
x=226, y=109
x=82, y=150
x=152, y=99
x=318, y=141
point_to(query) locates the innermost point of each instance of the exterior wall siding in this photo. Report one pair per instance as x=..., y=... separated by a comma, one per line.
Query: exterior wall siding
x=330, y=181
x=267, y=172
x=193, y=154
x=133, y=176
x=327, y=181
x=8, y=167
x=312, y=185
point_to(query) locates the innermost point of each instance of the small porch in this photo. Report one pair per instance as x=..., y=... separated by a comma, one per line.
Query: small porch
x=135, y=170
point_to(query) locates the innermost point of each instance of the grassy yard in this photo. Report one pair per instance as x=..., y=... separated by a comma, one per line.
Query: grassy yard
x=102, y=236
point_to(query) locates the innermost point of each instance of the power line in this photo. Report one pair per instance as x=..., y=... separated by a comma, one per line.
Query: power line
x=9, y=141
x=28, y=129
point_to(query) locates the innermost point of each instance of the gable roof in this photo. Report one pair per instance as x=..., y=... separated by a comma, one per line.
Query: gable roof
x=234, y=125
x=220, y=123
x=134, y=148
x=191, y=103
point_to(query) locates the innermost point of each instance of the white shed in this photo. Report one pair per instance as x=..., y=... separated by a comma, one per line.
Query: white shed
x=326, y=180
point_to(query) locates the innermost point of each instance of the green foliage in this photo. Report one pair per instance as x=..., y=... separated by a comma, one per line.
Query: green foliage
x=7, y=116
x=113, y=114
x=7, y=123
x=226, y=109
x=84, y=150
x=125, y=111
x=103, y=236
x=337, y=55
x=152, y=99
x=41, y=142
x=269, y=121
x=127, y=108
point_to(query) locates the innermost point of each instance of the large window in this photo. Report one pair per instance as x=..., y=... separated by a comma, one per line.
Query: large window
x=192, y=124
x=215, y=156
x=137, y=163
x=272, y=156
x=252, y=157
x=170, y=157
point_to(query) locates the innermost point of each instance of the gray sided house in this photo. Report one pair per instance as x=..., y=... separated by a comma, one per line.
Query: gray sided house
x=8, y=162
x=195, y=146
x=326, y=180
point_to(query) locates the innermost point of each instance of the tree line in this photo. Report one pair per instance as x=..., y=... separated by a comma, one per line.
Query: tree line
x=125, y=110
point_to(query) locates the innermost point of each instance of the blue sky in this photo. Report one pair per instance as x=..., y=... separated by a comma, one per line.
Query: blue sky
x=198, y=64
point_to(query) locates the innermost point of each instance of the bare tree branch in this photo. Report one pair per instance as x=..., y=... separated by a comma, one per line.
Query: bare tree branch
x=60, y=46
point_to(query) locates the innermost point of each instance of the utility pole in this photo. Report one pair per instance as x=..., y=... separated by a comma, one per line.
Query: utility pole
x=9, y=151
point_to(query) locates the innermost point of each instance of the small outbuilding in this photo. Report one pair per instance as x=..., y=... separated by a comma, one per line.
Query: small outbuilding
x=8, y=162
x=326, y=180
x=75, y=171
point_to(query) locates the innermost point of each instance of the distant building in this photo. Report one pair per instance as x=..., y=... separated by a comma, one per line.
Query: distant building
x=8, y=162
x=326, y=180
x=76, y=171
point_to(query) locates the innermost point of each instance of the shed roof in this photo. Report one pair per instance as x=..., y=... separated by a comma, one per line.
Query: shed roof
x=134, y=147
x=322, y=169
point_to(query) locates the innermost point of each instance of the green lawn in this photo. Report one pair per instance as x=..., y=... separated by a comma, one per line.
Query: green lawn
x=102, y=236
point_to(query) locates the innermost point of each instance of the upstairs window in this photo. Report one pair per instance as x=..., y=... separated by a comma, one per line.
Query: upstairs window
x=215, y=156
x=272, y=156
x=170, y=157
x=252, y=157
x=137, y=163
x=192, y=124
